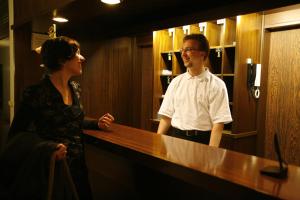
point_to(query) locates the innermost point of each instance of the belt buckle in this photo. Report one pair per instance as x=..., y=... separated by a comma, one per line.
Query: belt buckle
x=187, y=133
x=191, y=133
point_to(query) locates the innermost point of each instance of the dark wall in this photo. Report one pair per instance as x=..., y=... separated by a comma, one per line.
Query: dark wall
x=112, y=80
x=108, y=79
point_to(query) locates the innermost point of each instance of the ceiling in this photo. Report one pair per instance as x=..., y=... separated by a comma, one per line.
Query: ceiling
x=91, y=18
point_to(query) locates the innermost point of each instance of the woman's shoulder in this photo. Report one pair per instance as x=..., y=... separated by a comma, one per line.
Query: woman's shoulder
x=38, y=92
x=37, y=88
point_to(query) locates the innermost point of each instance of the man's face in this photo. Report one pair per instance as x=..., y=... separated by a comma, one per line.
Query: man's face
x=191, y=55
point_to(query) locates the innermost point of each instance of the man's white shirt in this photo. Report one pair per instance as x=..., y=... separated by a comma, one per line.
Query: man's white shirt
x=196, y=102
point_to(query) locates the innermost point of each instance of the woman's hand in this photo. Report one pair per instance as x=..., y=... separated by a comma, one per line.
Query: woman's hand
x=61, y=152
x=105, y=121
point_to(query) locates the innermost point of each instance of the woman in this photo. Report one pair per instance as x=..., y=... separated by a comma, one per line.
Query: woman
x=51, y=109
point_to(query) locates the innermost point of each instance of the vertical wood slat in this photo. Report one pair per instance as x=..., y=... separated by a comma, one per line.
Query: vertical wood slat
x=247, y=46
x=110, y=80
x=283, y=97
x=146, y=58
x=27, y=62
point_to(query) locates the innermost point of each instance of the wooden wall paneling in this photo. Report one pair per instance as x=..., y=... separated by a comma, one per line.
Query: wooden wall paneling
x=213, y=33
x=145, y=57
x=111, y=176
x=261, y=106
x=122, y=80
x=95, y=78
x=110, y=81
x=163, y=42
x=27, y=62
x=136, y=84
x=283, y=110
x=247, y=46
x=177, y=44
x=229, y=31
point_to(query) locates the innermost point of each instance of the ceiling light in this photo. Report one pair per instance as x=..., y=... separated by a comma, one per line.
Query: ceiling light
x=60, y=19
x=111, y=2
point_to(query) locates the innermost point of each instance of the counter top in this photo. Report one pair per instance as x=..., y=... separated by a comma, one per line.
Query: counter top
x=193, y=162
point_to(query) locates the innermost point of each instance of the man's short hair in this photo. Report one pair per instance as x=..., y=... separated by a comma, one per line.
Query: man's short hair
x=203, y=43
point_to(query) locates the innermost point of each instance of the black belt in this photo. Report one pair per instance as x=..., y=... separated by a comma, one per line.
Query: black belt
x=190, y=132
x=192, y=135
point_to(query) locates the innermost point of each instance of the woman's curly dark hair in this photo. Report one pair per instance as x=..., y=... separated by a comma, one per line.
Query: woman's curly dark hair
x=55, y=52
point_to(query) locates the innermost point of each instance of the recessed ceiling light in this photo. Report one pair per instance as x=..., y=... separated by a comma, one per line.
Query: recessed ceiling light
x=60, y=19
x=111, y=2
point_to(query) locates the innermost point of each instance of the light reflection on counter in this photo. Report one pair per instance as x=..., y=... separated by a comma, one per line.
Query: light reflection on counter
x=190, y=154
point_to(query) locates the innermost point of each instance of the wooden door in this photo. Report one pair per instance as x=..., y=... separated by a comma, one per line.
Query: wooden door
x=283, y=95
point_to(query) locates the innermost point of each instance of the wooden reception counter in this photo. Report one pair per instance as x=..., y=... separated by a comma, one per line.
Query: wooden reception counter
x=129, y=163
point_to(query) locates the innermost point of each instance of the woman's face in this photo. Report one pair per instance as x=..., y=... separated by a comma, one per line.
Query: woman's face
x=74, y=66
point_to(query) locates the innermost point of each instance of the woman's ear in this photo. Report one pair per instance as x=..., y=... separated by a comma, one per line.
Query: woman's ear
x=61, y=62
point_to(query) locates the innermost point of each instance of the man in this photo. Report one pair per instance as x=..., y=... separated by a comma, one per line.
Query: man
x=196, y=102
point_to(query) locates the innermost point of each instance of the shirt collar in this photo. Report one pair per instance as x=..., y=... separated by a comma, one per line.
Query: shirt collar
x=203, y=76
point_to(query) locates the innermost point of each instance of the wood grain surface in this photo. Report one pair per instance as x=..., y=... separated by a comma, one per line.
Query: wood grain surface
x=193, y=162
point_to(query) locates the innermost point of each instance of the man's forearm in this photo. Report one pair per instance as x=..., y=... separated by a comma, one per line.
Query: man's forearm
x=164, y=125
x=216, y=134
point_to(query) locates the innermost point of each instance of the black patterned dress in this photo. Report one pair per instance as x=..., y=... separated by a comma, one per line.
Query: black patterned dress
x=43, y=112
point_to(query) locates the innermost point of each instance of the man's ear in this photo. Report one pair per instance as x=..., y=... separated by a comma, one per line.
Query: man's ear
x=204, y=55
